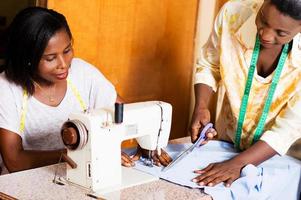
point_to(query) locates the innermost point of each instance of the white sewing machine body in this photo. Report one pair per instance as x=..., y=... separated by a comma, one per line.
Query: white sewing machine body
x=98, y=156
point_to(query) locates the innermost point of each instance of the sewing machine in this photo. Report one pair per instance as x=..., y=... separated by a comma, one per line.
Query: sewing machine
x=93, y=142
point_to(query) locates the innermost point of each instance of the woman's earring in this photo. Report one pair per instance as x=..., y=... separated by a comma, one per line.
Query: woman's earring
x=29, y=64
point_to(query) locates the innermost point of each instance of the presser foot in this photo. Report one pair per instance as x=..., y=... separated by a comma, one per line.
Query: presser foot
x=148, y=161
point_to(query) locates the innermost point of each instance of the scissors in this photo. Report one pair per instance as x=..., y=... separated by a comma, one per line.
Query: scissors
x=201, y=138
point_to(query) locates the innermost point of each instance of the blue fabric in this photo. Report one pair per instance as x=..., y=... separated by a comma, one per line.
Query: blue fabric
x=276, y=178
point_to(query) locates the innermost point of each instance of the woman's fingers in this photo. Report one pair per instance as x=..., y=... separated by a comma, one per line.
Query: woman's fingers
x=137, y=155
x=126, y=160
x=156, y=160
x=227, y=171
x=229, y=182
x=166, y=156
x=211, y=133
x=162, y=159
x=206, y=169
x=194, y=131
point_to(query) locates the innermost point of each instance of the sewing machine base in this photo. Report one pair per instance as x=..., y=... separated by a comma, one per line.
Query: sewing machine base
x=130, y=177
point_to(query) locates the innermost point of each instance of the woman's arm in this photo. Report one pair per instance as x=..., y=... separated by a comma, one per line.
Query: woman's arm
x=201, y=114
x=256, y=154
x=16, y=158
x=228, y=171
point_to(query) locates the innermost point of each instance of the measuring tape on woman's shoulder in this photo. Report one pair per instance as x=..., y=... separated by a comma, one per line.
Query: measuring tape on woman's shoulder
x=268, y=101
x=25, y=102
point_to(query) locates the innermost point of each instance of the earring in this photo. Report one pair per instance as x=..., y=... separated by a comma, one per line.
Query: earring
x=29, y=64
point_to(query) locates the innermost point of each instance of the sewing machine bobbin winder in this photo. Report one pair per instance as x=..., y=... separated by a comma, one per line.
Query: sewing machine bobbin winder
x=93, y=142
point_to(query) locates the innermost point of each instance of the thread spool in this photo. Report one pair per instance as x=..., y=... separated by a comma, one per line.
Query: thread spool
x=118, y=113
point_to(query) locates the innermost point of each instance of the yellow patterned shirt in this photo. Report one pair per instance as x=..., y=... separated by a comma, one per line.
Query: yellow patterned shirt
x=223, y=64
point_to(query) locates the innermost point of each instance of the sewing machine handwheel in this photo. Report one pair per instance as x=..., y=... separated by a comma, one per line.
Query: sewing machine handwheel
x=74, y=134
x=70, y=136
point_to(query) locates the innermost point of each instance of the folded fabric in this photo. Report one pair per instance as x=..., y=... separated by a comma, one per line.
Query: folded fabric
x=276, y=178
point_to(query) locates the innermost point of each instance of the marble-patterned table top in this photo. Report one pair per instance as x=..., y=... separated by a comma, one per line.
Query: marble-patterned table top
x=37, y=184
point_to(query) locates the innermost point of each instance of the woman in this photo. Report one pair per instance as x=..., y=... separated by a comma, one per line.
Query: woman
x=253, y=58
x=41, y=85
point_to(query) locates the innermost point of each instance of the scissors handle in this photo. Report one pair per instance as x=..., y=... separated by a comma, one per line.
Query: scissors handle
x=203, y=136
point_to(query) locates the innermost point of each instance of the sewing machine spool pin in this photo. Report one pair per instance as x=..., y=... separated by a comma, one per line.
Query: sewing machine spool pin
x=118, y=113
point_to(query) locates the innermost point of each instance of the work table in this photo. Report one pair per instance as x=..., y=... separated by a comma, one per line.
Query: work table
x=37, y=184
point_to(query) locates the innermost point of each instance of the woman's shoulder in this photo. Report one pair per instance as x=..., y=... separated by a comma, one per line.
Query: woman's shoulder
x=3, y=79
x=236, y=4
x=8, y=88
x=235, y=13
x=241, y=7
x=6, y=84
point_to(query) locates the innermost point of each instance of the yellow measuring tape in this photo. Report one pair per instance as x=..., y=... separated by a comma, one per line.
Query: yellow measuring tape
x=77, y=95
x=23, y=111
x=25, y=98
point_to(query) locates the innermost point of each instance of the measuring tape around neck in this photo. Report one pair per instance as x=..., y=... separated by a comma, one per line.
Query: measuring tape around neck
x=25, y=101
x=268, y=101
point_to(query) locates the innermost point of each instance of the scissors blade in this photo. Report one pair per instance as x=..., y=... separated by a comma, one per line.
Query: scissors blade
x=201, y=138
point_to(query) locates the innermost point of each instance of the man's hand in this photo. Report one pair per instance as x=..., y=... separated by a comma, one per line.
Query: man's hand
x=215, y=173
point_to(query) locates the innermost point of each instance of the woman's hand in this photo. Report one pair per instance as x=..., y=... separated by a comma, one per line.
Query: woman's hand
x=201, y=117
x=126, y=160
x=162, y=159
x=215, y=173
x=228, y=171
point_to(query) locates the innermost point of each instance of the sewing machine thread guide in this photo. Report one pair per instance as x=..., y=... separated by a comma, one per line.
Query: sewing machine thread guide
x=201, y=138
